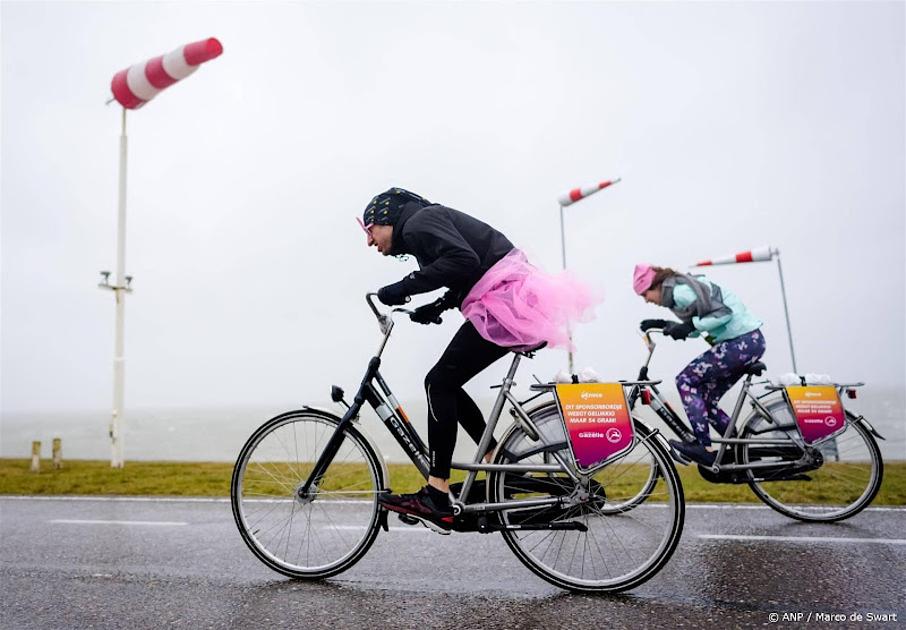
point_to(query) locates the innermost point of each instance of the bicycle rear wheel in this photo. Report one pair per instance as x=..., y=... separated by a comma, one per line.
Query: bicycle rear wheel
x=633, y=509
x=842, y=480
x=317, y=535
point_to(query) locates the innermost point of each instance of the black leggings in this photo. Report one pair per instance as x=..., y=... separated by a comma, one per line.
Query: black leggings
x=467, y=355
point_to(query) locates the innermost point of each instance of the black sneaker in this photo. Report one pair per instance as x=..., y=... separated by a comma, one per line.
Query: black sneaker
x=429, y=506
x=695, y=452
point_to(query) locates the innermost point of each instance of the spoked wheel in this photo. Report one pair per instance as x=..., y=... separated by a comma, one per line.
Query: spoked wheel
x=631, y=480
x=321, y=533
x=841, y=476
x=632, y=525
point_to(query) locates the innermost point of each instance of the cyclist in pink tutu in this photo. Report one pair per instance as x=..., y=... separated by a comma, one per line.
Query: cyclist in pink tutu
x=508, y=304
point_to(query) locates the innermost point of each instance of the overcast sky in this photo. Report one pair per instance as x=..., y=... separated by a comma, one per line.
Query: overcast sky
x=732, y=125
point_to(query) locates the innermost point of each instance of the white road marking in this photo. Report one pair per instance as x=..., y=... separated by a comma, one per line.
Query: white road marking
x=74, y=521
x=805, y=539
x=125, y=499
x=748, y=506
x=171, y=499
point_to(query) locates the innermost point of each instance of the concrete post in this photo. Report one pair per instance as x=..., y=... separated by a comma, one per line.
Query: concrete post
x=36, y=456
x=57, y=453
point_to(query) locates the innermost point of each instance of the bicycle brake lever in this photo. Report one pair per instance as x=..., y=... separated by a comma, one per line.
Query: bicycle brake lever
x=384, y=322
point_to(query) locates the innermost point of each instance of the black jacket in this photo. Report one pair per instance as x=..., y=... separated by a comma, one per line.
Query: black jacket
x=453, y=250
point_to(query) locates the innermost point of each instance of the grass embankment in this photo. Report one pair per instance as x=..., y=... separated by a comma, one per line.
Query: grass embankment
x=82, y=477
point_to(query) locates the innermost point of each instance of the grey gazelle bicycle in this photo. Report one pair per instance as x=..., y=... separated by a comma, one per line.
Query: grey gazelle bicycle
x=305, y=489
x=824, y=480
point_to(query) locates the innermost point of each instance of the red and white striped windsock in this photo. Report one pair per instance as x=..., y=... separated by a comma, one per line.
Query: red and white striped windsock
x=578, y=194
x=138, y=84
x=762, y=254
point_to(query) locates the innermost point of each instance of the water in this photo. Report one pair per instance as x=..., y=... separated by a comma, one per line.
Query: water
x=185, y=434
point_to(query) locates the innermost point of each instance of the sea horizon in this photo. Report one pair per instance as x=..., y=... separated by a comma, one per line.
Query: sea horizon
x=217, y=433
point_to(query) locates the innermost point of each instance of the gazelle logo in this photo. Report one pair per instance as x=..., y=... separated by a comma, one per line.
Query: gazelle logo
x=830, y=421
x=613, y=435
x=587, y=395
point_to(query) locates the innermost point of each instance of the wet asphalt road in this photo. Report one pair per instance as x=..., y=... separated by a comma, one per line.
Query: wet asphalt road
x=182, y=563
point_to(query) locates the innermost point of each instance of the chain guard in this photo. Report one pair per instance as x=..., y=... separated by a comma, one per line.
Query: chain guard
x=790, y=473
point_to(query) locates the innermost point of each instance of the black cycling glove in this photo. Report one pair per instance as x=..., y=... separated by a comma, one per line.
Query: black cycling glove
x=393, y=294
x=430, y=313
x=648, y=324
x=678, y=330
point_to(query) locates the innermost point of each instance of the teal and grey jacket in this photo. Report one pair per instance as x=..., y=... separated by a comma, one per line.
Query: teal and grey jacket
x=713, y=311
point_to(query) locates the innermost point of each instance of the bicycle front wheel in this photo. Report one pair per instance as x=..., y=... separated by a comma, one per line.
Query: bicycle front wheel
x=632, y=508
x=842, y=478
x=319, y=534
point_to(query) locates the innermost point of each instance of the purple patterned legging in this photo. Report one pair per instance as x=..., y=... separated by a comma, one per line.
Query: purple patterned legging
x=711, y=375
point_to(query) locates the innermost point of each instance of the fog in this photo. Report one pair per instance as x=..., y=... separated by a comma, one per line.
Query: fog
x=733, y=126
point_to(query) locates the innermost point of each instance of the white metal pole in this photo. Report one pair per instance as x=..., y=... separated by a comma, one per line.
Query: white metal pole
x=573, y=196
x=786, y=310
x=563, y=258
x=119, y=290
x=562, y=239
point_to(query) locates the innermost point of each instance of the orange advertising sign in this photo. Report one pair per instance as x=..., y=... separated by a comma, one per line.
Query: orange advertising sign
x=818, y=410
x=597, y=421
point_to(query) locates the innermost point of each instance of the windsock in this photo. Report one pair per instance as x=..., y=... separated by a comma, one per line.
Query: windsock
x=578, y=194
x=762, y=254
x=138, y=84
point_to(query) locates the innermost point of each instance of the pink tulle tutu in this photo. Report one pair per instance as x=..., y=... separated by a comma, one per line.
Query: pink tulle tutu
x=517, y=304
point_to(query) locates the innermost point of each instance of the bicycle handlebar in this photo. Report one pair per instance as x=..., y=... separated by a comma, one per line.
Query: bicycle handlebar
x=385, y=320
x=646, y=335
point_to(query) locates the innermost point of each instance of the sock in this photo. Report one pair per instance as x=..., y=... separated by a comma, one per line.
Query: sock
x=440, y=498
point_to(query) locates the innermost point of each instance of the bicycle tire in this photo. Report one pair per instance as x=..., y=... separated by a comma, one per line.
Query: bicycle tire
x=777, y=492
x=548, y=422
x=281, y=490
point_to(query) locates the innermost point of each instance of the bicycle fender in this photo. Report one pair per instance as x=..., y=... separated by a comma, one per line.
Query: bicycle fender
x=866, y=424
x=364, y=435
x=647, y=426
x=661, y=439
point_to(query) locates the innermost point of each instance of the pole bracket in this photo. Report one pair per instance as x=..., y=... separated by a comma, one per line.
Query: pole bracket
x=105, y=283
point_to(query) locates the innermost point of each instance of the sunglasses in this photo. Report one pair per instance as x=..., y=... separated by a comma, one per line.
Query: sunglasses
x=366, y=229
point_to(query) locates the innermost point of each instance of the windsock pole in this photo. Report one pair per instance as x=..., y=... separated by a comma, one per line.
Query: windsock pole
x=786, y=310
x=120, y=288
x=763, y=254
x=132, y=88
x=569, y=329
x=568, y=199
x=119, y=358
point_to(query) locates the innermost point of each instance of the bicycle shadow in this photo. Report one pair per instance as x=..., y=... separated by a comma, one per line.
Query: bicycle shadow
x=349, y=604
x=344, y=587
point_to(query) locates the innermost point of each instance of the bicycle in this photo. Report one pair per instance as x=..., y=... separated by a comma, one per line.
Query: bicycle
x=305, y=488
x=771, y=453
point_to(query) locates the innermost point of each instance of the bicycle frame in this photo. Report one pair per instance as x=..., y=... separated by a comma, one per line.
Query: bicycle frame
x=672, y=419
x=375, y=391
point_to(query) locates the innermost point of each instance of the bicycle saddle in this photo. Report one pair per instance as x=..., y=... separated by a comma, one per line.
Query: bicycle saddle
x=528, y=351
x=756, y=369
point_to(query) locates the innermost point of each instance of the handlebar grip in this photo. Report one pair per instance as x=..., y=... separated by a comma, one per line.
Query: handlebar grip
x=436, y=320
x=647, y=325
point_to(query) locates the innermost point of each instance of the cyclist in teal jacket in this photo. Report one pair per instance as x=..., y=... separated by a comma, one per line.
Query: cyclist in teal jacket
x=736, y=341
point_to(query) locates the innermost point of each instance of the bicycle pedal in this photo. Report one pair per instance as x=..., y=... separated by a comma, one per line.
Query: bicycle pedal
x=408, y=520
